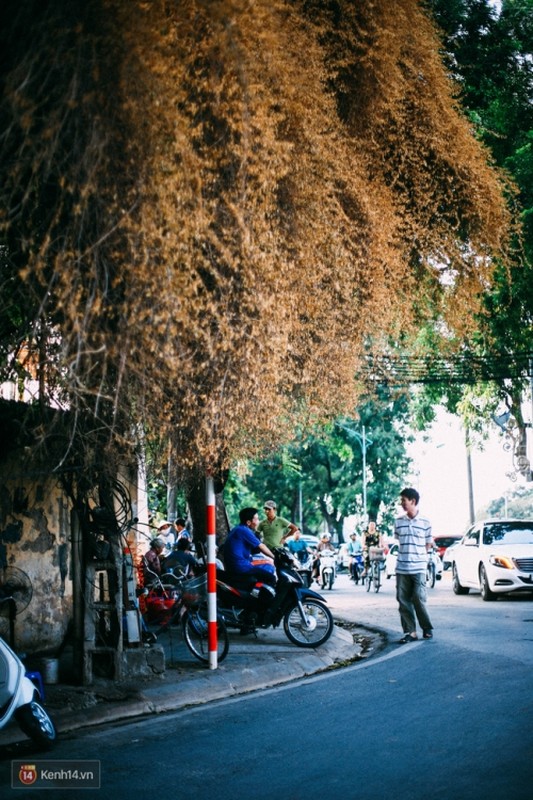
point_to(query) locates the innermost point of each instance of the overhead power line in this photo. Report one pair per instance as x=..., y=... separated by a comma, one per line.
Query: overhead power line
x=460, y=369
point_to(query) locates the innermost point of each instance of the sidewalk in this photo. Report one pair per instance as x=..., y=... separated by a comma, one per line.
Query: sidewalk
x=253, y=662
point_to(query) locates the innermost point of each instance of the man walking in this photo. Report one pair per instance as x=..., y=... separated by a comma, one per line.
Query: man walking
x=414, y=536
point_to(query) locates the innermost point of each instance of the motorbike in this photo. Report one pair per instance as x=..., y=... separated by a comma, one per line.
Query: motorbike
x=304, y=566
x=21, y=699
x=357, y=567
x=328, y=568
x=434, y=568
x=247, y=603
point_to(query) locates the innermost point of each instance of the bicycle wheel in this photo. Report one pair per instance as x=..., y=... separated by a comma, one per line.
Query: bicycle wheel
x=368, y=579
x=431, y=575
x=195, y=633
x=376, y=575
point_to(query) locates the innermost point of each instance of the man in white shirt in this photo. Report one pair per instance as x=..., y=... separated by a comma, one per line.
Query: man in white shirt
x=415, y=540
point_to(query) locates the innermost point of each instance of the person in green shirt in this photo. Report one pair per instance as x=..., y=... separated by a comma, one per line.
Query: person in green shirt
x=274, y=530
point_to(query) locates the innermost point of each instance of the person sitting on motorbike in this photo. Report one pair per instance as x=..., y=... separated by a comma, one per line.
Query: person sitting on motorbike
x=297, y=546
x=240, y=546
x=371, y=538
x=324, y=544
x=353, y=548
x=182, y=558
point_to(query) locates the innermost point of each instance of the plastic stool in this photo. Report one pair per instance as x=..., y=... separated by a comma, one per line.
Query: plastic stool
x=37, y=679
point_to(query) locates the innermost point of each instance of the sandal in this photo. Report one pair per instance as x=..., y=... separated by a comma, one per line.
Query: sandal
x=408, y=638
x=427, y=635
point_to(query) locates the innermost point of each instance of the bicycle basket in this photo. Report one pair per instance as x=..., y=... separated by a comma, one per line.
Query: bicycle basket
x=195, y=591
x=158, y=609
x=376, y=554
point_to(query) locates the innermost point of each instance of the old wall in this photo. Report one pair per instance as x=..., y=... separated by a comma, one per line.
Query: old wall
x=35, y=537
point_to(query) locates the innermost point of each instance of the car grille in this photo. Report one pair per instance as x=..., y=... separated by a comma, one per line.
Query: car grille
x=524, y=564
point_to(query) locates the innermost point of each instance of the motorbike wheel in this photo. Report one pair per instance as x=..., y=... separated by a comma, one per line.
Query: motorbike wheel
x=195, y=633
x=312, y=632
x=330, y=581
x=431, y=576
x=37, y=724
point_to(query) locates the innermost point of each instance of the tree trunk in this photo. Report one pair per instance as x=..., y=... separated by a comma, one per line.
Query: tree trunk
x=196, y=502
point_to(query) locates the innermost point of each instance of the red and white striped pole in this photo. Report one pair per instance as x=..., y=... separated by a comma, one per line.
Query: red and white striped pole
x=211, y=572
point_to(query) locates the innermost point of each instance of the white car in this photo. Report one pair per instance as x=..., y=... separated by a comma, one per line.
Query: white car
x=495, y=556
x=344, y=559
x=390, y=561
x=447, y=558
x=434, y=571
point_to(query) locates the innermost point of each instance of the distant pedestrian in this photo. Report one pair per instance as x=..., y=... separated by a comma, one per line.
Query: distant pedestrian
x=415, y=540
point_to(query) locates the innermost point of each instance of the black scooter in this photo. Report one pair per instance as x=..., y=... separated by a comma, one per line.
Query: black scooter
x=247, y=604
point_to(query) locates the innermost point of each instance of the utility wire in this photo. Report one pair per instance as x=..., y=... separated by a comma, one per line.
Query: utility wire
x=460, y=369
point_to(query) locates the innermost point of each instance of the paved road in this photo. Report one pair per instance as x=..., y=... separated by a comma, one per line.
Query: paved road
x=440, y=719
x=504, y=626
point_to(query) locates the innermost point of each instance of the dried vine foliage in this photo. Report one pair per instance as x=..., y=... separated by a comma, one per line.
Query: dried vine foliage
x=208, y=207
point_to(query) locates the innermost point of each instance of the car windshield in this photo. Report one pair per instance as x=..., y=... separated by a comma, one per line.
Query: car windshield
x=508, y=533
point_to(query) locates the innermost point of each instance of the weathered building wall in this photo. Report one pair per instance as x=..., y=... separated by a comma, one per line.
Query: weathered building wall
x=35, y=537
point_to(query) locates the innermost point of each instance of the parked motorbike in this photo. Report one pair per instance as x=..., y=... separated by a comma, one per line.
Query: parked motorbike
x=246, y=603
x=20, y=698
x=328, y=568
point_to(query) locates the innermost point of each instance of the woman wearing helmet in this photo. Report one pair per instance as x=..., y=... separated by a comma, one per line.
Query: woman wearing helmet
x=324, y=544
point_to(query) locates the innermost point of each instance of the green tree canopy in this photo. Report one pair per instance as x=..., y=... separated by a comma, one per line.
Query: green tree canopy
x=324, y=471
x=491, y=54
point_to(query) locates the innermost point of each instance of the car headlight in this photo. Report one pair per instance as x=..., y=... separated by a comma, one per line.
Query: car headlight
x=501, y=561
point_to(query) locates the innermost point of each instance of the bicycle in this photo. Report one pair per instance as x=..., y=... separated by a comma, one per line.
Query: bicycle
x=174, y=601
x=377, y=564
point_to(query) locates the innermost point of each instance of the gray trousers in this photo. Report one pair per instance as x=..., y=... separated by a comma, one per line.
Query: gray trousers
x=411, y=595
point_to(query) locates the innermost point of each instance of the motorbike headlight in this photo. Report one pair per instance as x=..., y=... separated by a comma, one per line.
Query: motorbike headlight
x=501, y=561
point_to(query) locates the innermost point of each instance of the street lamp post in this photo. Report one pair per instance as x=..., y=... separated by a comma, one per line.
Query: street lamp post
x=363, y=452
x=363, y=443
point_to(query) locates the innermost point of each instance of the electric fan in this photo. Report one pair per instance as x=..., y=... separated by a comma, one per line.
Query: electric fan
x=16, y=592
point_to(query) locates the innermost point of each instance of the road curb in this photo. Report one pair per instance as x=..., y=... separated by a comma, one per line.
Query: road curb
x=266, y=661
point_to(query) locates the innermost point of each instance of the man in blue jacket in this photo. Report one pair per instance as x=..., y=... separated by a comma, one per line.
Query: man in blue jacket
x=240, y=546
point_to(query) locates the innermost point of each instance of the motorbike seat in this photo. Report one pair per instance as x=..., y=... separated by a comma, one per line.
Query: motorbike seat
x=241, y=582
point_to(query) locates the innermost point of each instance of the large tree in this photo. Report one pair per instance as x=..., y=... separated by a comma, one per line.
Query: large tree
x=490, y=51
x=207, y=207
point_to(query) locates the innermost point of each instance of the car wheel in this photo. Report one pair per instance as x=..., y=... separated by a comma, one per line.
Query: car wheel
x=457, y=588
x=486, y=592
